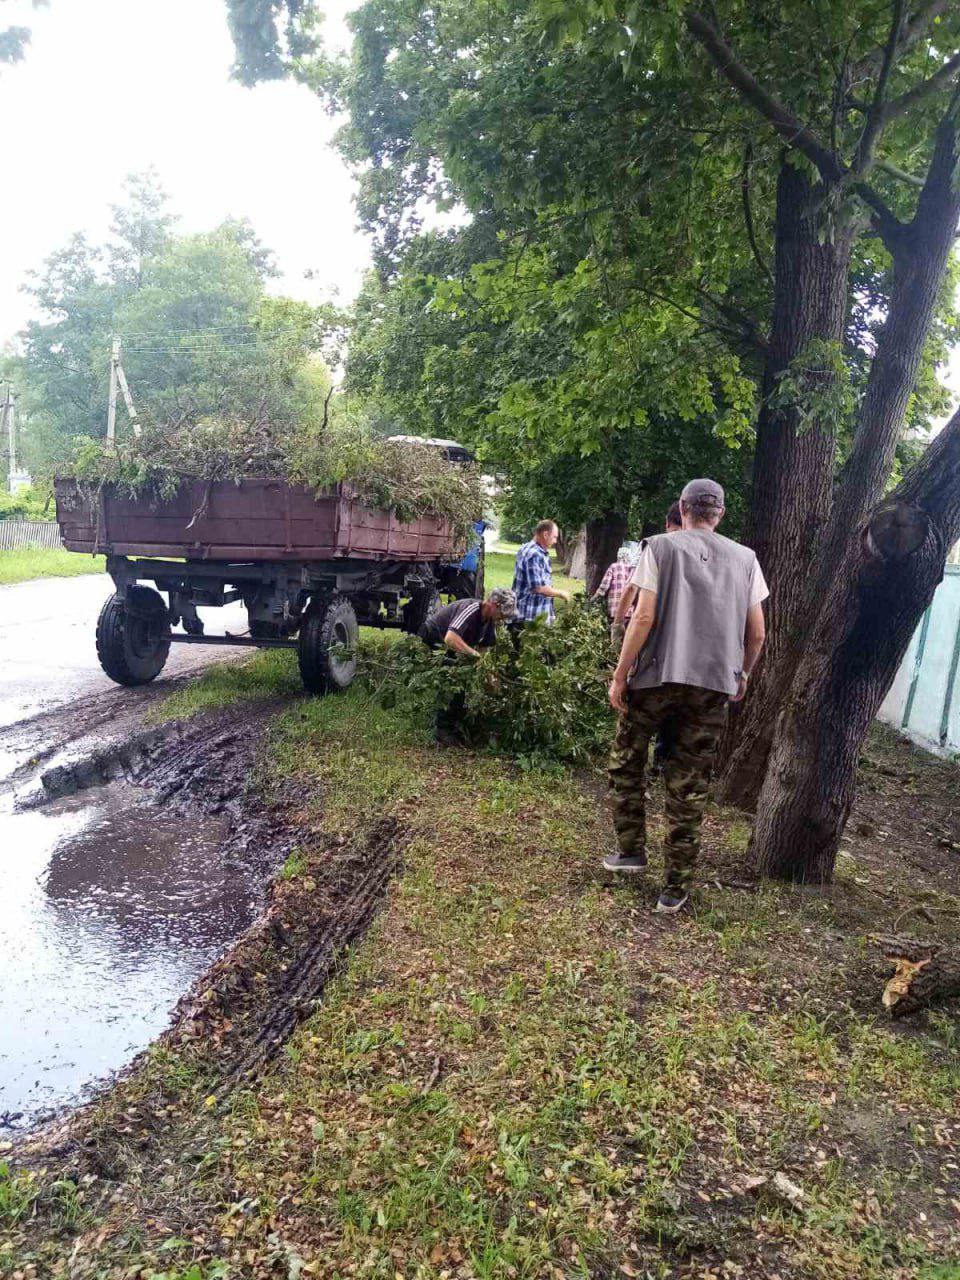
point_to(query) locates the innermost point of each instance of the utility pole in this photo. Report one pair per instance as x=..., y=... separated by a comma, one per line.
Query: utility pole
x=8, y=427
x=112, y=402
x=118, y=379
x=8, y=423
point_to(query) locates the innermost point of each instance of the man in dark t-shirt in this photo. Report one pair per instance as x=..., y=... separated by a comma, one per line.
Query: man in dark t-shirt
x=465, y=627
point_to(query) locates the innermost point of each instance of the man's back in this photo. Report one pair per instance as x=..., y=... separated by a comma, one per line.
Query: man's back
x=704, y=585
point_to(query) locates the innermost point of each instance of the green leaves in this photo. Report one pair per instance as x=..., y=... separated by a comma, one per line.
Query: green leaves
x=544, y=704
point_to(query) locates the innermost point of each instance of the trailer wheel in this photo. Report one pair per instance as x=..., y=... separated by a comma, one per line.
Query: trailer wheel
x=328, y=645
x=133, y=636
x=419, y=607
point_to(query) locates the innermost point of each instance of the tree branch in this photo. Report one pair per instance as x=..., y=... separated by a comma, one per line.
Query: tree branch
x=745, y=329
x=740, y=319
x=901, y=175
x=794, y=131
x=884, y=221
x=897, y=106
x=921, y=21
x=748, y=213
x=915, y=27
x=877, y=115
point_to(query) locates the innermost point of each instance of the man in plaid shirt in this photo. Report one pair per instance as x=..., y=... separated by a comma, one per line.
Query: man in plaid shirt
x=614, y=582
x=533, y=576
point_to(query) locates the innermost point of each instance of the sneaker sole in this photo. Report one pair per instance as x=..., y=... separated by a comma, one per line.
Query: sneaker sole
x=671, y=911
x=621, y=870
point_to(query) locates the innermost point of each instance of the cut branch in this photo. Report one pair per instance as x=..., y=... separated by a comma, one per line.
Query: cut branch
x=790, y=128
x=925, y=973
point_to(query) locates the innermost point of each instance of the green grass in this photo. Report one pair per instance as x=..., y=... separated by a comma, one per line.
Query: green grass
x=499, y=571
x=271, y=673
x=523, y=1073
x=33, y=562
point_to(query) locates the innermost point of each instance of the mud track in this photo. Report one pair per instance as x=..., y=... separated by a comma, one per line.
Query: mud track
x=244, y=1008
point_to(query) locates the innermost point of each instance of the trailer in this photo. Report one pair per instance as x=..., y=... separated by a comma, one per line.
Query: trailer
x=310, y=567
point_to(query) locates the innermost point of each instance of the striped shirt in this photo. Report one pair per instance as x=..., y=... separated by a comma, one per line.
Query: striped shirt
x=465, y=619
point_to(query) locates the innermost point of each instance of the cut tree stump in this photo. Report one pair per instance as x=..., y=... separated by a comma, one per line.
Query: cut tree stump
x=925, y=974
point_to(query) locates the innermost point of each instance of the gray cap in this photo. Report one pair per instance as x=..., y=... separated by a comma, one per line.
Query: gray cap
x=706, y=493
x=505, y=600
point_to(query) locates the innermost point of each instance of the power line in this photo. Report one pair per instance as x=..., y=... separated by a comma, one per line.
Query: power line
x=196, y=329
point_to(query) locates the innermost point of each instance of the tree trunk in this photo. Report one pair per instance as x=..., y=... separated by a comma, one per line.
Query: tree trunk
x=605, y=536
x=855, y=650
x=793, y=464
x=564, y=549
x=878, y=573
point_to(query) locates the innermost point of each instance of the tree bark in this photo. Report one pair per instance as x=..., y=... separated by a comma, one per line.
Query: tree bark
x=793, y=467
x=926, y=973
x=854, y=652
x=605, y=536
x=878, y=571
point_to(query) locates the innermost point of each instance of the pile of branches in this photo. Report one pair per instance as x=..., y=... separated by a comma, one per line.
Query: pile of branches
x=544, y=703
x=411, y=479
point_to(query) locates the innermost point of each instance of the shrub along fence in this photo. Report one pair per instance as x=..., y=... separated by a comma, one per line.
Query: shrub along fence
x=16, y=535
x=924, y=699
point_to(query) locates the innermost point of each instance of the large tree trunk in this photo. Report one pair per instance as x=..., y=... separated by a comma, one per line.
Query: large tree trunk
x=604, y=538
x=858, y=644
x=793, y=463
x=878, y=572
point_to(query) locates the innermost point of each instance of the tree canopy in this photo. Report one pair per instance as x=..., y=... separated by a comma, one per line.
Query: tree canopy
x=200, y=334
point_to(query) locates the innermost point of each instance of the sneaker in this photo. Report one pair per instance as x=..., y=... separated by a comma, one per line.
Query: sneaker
x=671, y=901
x=625, y=862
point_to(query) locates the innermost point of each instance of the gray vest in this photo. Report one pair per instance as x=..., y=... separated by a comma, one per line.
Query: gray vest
x=703, y=592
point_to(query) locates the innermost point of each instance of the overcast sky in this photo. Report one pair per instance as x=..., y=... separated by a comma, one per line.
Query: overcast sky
x=109, y=87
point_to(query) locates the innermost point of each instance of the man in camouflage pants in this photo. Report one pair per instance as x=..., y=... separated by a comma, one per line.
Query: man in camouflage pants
x=694, y=638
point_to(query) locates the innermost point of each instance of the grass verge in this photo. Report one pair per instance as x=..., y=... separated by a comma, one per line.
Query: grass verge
x=34, y=562
x=523, y=1073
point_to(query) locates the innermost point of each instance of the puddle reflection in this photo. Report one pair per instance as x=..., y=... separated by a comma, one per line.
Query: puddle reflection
x=110, y=907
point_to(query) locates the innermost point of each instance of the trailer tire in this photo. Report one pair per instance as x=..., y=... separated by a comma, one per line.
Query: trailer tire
x=419, y=607
x=133, y=636
x=329, y=627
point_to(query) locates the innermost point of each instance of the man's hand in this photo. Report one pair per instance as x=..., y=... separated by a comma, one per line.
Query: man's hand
x=564, y=596
x=618, y=693
x=741, y=688
x=616, y=635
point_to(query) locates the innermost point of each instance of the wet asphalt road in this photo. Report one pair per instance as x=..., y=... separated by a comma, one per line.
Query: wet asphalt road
x=110, y=906
x=48, y=655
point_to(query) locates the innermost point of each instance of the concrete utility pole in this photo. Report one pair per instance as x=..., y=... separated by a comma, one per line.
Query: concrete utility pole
x=8, y=426
x=118, y=378
x=112, y=401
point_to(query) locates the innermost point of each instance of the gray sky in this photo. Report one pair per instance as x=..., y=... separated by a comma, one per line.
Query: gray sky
x=109, y=87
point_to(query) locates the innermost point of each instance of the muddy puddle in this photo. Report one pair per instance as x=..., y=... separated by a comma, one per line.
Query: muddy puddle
x=111, y=905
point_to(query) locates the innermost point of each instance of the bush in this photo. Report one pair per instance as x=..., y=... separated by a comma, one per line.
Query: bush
x=26, y=504
x=543, y=704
